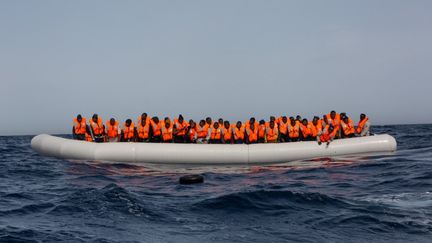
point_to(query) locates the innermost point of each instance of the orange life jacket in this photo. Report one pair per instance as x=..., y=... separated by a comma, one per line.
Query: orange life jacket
x=167, y=133
x=227, y=133
x=283, y=127
x=238, y=133
x=335, y=122
x=261, y=131
x=98, y=128
x=180, y=127
x=247, y=124
x=112, y=130
x=128, y=132
x=306, y=131
x=252, y=134
x=215, y=133
x=80, y=127
x=361, y=125
x=191, y=133
x=272, y=134
x=326, y=136
x=314, y=130
x=202, y=131
x=147, y=120
x=293, y=131
x=157, y=128
x=143, y=131
x=348, y=128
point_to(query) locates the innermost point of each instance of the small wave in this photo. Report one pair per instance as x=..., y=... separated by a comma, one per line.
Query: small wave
x=28, y=209
x=269, y=200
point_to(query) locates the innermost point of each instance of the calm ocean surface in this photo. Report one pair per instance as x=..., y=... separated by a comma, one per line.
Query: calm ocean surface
x=357, y=199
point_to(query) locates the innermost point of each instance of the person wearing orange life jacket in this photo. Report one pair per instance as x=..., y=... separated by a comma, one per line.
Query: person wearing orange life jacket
x=293, y=131
x=305, y=131
x=363, y=127
x=221, y=122
x=145, y=117
x=97, y=128
x=79, y=128
x=298, y=120
x=191, y=134
x=261, y=132
x=128, y=131
x=227, y=133
x=315, y=127
x=327, y=135
x=347, y=127
x=239, y=133
x=209, y=122
x=202, y=131
x=180, y=129
x=143, y=130
x=335, y=119
x=283, y=130
x=214, y=134
x=272, y=118
x=156, y=130
x=112, y=130
x=167, y=131
x=251, y=121
x=251, y=133
x=272, y=132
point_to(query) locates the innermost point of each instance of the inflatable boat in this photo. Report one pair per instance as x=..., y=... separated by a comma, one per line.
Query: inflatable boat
x=208, y=154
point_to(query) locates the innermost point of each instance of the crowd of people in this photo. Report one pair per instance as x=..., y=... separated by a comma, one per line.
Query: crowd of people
x=276, y=130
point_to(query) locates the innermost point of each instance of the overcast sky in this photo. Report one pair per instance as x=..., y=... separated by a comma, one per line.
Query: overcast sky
x=212, y=58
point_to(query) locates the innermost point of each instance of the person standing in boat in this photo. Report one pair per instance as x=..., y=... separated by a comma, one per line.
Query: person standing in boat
x=363, y=127
x=97, y=128
x=79, y=128
x=128, y=131
x=112, y=130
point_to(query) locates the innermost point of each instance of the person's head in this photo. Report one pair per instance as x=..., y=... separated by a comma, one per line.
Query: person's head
x=272, y=118
x=333, y=114
x=292, y=119
x=112, y=121
x=305, y=121
x=180, y=118
x=143, y=116
x=293, y=122
x=208, y=120
x=325, y=118
x=298, y=118
x=128, y=122
x=345, y=119
x=315, y=120
x=216, y=125
x=262, y=122
x=362, y=116
x=95, y=117
x=342, y=115
x=155, y=119
x=239, y=124
x=272, y=123
x=192, y=123
x=252, y=120
x=226, y=124
x=79, y=118
x=284, y=119
x=167, y=122
x=202, y=123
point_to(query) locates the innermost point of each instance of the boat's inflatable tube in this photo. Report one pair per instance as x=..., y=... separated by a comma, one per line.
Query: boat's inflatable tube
x=159, y=153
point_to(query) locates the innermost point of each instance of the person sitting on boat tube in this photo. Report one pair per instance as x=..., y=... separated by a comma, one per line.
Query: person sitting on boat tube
x=191, y=134
x=167, y=131
x=79, y=128
x=214, y=134
x=363, y=126
x=327, y=135
x=239, y=133
x=112, y=130
x=347, y=126
x=305, y=130
x=202, y=131
x=143, y=130
x=251, y=133
x=261, y=132
x=97, y=128
x=227, y=133
x=128, y=131
x=315, y=127
x=156, y=130
x=180, y=129
x=293, y=130
x=272, y=132
x=283, y=129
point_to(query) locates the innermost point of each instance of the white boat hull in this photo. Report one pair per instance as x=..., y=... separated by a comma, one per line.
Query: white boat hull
x=199, y=154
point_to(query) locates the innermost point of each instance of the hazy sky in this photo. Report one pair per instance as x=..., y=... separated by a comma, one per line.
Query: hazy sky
x=212, y=58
